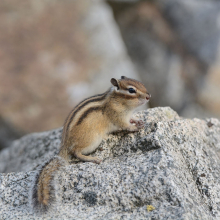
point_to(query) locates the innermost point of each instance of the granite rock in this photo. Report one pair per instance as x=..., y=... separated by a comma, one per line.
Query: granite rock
x=168, y=170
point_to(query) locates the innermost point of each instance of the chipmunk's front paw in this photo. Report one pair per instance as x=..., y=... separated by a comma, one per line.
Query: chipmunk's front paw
x=138, y=123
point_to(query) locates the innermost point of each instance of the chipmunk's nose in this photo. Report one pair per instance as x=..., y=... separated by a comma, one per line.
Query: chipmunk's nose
x=148, y=96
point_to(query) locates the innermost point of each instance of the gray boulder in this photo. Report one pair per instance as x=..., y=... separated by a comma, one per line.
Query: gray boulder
x=168, y=170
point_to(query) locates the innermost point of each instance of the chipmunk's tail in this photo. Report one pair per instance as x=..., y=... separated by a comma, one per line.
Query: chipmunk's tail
x=42, y=193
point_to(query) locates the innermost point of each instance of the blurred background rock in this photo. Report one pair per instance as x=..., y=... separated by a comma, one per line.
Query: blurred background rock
x=55, y=53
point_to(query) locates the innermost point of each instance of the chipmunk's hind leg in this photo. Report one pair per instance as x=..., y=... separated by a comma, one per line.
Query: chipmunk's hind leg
x=82, y=157
x=85, y=147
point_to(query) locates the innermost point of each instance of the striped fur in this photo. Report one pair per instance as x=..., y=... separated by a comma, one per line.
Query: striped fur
x=95, y=98
x=88, y=111
x=42, y=193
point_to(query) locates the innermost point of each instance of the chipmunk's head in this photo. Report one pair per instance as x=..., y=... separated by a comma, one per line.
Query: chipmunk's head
x=131, y=93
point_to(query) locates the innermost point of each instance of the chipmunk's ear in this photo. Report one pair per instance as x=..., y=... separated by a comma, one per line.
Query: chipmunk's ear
x=114, y=82
x=123, y=77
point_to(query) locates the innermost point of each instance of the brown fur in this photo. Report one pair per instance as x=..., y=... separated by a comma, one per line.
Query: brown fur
x=81, y=105
x=42, y=193
x=87, y=112
x=45, y=181
x=78, y=108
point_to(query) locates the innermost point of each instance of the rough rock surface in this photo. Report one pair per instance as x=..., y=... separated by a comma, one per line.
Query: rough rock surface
x=172, y=164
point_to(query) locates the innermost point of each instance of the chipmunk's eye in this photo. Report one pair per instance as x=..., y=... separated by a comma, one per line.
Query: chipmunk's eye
x=131, y=90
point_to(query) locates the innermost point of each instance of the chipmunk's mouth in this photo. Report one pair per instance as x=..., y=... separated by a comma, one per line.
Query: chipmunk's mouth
x=143, y=101
x=148, y=97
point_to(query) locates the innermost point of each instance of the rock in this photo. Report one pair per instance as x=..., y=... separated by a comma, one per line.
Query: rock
x=64, y=52
x=29, y=151
x=168, y=170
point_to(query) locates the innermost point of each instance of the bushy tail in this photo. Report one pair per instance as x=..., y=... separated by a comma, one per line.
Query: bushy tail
x=42, y=193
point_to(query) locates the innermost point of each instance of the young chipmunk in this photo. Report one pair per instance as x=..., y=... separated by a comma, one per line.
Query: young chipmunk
x=85, y=127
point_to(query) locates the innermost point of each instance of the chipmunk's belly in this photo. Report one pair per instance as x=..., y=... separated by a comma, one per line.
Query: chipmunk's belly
x=92, y=147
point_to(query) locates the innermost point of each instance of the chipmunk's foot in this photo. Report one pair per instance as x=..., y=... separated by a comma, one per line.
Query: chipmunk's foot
x=97, y=160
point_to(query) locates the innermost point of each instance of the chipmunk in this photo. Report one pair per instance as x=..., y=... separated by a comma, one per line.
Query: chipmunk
x=85, y=127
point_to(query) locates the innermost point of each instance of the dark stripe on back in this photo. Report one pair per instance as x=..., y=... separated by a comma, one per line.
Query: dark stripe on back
x=75, y=110
x=87, y=112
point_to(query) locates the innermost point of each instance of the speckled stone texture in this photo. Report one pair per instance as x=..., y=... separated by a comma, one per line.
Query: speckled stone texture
x=172, y=164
